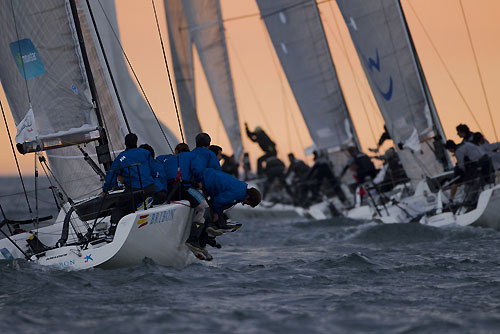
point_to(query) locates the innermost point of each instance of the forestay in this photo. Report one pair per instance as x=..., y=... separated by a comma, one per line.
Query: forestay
x=382, y=43
x=182, y=59
x=204, y=20
x=299, y=40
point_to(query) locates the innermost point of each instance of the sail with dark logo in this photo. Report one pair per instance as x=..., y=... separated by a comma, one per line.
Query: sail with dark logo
x=384, y=47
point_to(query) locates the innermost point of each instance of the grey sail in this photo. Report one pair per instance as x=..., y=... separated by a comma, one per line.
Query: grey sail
x=298, y=37
x=139, y=116
x=182, y=59
x=42, y=73
x=383, y=46
x=207, y=32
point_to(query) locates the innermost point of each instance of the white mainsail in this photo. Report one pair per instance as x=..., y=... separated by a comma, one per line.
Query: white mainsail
x=383, y=45
x=182, y=58
x=298, y=37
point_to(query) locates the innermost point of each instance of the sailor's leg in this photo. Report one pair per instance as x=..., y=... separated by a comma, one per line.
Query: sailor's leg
x=260, y=169
x=122, y=208
x=200, y=205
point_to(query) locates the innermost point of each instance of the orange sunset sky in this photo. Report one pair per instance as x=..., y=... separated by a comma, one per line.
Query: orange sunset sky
x=440, y=29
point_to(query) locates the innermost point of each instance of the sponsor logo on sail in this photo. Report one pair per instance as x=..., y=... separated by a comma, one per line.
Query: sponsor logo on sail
x=375, y=64
x=27, y=58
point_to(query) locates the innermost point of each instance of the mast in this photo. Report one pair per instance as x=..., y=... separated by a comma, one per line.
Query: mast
x=423, y=81
x=102, y=149
x=108, y=67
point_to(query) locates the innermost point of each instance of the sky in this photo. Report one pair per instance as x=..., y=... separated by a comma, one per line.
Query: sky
x=456, y=40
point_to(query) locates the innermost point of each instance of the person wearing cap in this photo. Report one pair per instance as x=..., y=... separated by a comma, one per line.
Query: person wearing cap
x=265, y=143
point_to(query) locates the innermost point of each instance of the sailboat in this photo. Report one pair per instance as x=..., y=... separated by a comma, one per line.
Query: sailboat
x=51, y=66
x=394, y=73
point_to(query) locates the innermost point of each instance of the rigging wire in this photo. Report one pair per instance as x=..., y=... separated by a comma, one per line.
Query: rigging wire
x=168, y=72
x=36, y=193
x=111, y=77
x=444, y=65
x=17, y=162
x=478, y=70
x=259, y=106
x=135, y=75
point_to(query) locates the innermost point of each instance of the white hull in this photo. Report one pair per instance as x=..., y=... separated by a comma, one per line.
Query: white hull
x=157, y=233
x=486, y=214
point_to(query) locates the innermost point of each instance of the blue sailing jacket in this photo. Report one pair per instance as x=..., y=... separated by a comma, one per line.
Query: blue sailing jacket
x=126, y=158
x=225, y=189
x=159, y=175
x=207, y=157
x=190, y=165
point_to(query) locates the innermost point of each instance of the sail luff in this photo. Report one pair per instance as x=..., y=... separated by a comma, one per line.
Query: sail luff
x=425, y=88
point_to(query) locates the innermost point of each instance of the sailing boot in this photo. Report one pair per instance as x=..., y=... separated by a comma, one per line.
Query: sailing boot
x=212, y=242
x=193, y=242
x=224, y=224
x=212, y=230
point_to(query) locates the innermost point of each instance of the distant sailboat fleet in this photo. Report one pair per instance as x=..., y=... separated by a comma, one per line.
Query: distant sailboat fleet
x=65, y=75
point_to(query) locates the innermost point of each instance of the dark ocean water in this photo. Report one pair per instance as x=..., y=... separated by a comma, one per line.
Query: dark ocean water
x=280, y=276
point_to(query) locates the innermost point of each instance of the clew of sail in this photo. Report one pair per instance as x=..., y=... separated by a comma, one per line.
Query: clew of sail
x=205, y=27
x=299, y=40
x=383, y=46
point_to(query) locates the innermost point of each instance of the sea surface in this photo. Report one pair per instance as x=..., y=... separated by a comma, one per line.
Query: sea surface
x=275, y=276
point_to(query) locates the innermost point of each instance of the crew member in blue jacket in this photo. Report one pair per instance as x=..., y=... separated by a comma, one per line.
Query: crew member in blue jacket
x=136, y=177
x=160, y=195
x=207, y=157
x=183, y=173
x=225, y=191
